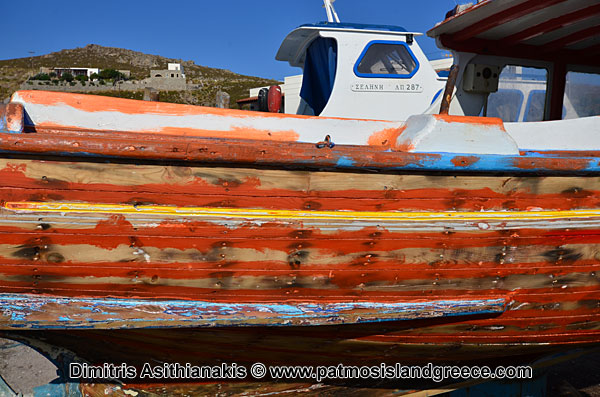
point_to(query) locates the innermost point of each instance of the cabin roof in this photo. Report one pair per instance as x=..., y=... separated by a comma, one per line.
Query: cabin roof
x=566, y=30
x=354, y=26
x=293, y=47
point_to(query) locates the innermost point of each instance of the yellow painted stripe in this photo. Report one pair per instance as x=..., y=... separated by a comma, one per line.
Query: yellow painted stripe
x=161, y=210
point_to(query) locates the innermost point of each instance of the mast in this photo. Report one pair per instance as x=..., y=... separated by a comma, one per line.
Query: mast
x=331, y=14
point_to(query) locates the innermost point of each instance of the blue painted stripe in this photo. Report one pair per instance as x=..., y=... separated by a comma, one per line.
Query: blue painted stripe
x=25, y=311
x=437, y=94
x=344, y=161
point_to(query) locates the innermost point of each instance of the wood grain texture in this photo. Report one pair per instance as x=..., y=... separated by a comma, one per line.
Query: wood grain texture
x=92, y=230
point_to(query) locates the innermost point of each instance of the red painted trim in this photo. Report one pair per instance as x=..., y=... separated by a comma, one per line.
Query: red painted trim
x=527, y=7
x=558, y=82
x=524, y=51
x=452, y=14
x=553, y=24
x=572, y=39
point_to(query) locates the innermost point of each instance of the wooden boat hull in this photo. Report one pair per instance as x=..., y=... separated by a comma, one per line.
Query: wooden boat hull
x=363, y=344
x=287, y=249
x=525, y=245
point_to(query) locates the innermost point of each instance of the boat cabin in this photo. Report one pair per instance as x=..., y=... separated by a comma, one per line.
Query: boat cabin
x=525, y=61
x=358, y=71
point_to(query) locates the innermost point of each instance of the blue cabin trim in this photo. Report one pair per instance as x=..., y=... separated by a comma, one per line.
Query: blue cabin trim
x=360, y=26
x=386, y=76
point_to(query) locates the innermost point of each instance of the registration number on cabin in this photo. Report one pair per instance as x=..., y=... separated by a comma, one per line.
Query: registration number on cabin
x=387, y=87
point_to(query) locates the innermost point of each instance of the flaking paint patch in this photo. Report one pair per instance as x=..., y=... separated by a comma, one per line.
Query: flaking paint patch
x=37, y=312
x=133, y=145
x=345, y=162
x=387, y=137
x=489, y=121
x=97, y=113
x=94, y=103
x=2, y=117
x=549, y=163
x=14, y=117
x=464, y=161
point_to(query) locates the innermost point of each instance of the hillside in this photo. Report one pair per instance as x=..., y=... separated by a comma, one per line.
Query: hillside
x=14, y=72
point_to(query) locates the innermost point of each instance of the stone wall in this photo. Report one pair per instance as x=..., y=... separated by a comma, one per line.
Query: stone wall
x=165, y=84
x=40, y=85
x=160, y=84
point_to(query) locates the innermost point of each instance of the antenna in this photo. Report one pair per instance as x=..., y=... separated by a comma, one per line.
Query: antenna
x=331, y=14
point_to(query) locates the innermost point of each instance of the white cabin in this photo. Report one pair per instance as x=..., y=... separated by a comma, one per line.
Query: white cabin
x=358, y=71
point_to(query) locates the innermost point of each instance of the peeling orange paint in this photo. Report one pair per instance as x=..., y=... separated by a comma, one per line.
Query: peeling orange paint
x=95, y=103
x=235, y=133
x=464, y=161
x=14, y=117
x=386, y=137
x=405, y=147
x=490, y=121
x=551, y=163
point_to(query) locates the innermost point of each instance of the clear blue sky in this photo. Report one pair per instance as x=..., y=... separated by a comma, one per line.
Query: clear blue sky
x=239, y=35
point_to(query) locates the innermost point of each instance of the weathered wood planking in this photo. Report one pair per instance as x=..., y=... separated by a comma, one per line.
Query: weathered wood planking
x=264, y=236
x=34, y=312
x=252, y=152
x=248, y=188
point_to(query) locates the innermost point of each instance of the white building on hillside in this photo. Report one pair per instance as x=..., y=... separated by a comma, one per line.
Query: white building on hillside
x=173, y=71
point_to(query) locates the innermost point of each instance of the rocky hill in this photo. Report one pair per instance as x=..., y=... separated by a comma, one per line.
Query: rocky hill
x=14, y=72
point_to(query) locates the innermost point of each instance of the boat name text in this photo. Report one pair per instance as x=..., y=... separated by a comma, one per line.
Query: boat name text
x=386, y=87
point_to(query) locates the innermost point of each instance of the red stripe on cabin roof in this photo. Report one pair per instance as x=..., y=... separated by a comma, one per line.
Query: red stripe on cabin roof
x=497, y=48
x=553, y=24
x=502, y=17
x=571, y=39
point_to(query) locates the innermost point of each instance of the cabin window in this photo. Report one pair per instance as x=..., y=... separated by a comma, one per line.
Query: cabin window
x=582, y=95
x=505, y=104
x=534, y=109
x=392, y=59
x=319, y=73
x=515, y=84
